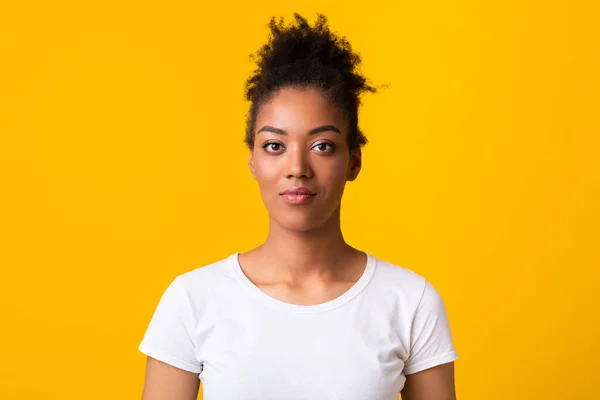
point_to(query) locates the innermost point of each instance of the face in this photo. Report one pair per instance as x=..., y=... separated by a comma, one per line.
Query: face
x=301, y=142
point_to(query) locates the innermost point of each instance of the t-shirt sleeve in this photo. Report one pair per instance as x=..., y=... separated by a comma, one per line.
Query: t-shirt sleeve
x=431, y=340
x=170, y=335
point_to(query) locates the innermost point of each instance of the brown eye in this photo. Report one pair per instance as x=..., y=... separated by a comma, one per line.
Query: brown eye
x=323, y=147
x=272, y=146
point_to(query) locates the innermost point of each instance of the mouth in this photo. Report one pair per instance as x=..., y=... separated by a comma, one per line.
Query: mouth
x=298, y=198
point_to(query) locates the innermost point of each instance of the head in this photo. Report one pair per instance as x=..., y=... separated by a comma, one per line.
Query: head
x=302, y=126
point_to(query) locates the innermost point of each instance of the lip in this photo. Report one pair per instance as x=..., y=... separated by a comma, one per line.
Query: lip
x=298, y=195
x=300, y=190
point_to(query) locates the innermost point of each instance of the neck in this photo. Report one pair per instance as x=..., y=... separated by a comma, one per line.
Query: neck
x=301, y=255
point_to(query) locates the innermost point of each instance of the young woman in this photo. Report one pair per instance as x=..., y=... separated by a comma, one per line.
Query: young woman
x=305, y=315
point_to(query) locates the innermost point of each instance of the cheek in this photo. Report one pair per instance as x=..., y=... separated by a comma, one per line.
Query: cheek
x=333, y=176
x=266, y=172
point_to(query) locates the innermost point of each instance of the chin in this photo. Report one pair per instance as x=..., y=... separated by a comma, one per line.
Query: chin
x=301, y=223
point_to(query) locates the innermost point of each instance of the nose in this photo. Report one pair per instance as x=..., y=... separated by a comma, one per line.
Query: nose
x=297, y=163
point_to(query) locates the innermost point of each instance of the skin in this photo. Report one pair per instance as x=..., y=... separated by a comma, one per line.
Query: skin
x=304, y=259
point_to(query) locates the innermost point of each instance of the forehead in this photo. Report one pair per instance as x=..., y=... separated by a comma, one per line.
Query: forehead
x=300, y=109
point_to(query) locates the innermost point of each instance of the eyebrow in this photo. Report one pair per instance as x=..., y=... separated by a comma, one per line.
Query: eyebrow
x=313, y=131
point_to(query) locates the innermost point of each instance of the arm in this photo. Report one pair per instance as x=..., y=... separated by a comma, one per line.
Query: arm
x=165, y=382
x=435, y=383
x=429, y=369
x=172, y=369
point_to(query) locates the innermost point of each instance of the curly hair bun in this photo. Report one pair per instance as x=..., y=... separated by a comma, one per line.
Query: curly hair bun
x=307, y=56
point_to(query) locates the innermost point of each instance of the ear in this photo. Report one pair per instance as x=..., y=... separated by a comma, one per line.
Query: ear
x=355, y=164
x=251, y=164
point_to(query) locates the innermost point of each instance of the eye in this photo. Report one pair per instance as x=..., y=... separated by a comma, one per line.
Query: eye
x=322, y=147
x=272, y=146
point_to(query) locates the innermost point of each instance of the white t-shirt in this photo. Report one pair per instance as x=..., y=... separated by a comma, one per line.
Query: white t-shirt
x=245, y=344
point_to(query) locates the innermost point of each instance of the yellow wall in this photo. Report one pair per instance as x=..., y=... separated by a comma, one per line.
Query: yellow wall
x=122, y=165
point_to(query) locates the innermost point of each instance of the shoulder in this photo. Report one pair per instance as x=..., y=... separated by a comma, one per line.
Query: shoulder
x=398, y=279
x=212, y=270
x=413, y=290
x=206, y=279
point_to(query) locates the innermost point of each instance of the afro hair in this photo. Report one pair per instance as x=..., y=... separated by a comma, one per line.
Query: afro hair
x=300, y=55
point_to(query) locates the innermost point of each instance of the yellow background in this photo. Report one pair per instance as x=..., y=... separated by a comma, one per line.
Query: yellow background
x=122, y=165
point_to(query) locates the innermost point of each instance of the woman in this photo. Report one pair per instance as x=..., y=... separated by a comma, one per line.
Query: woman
x=304, y=315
